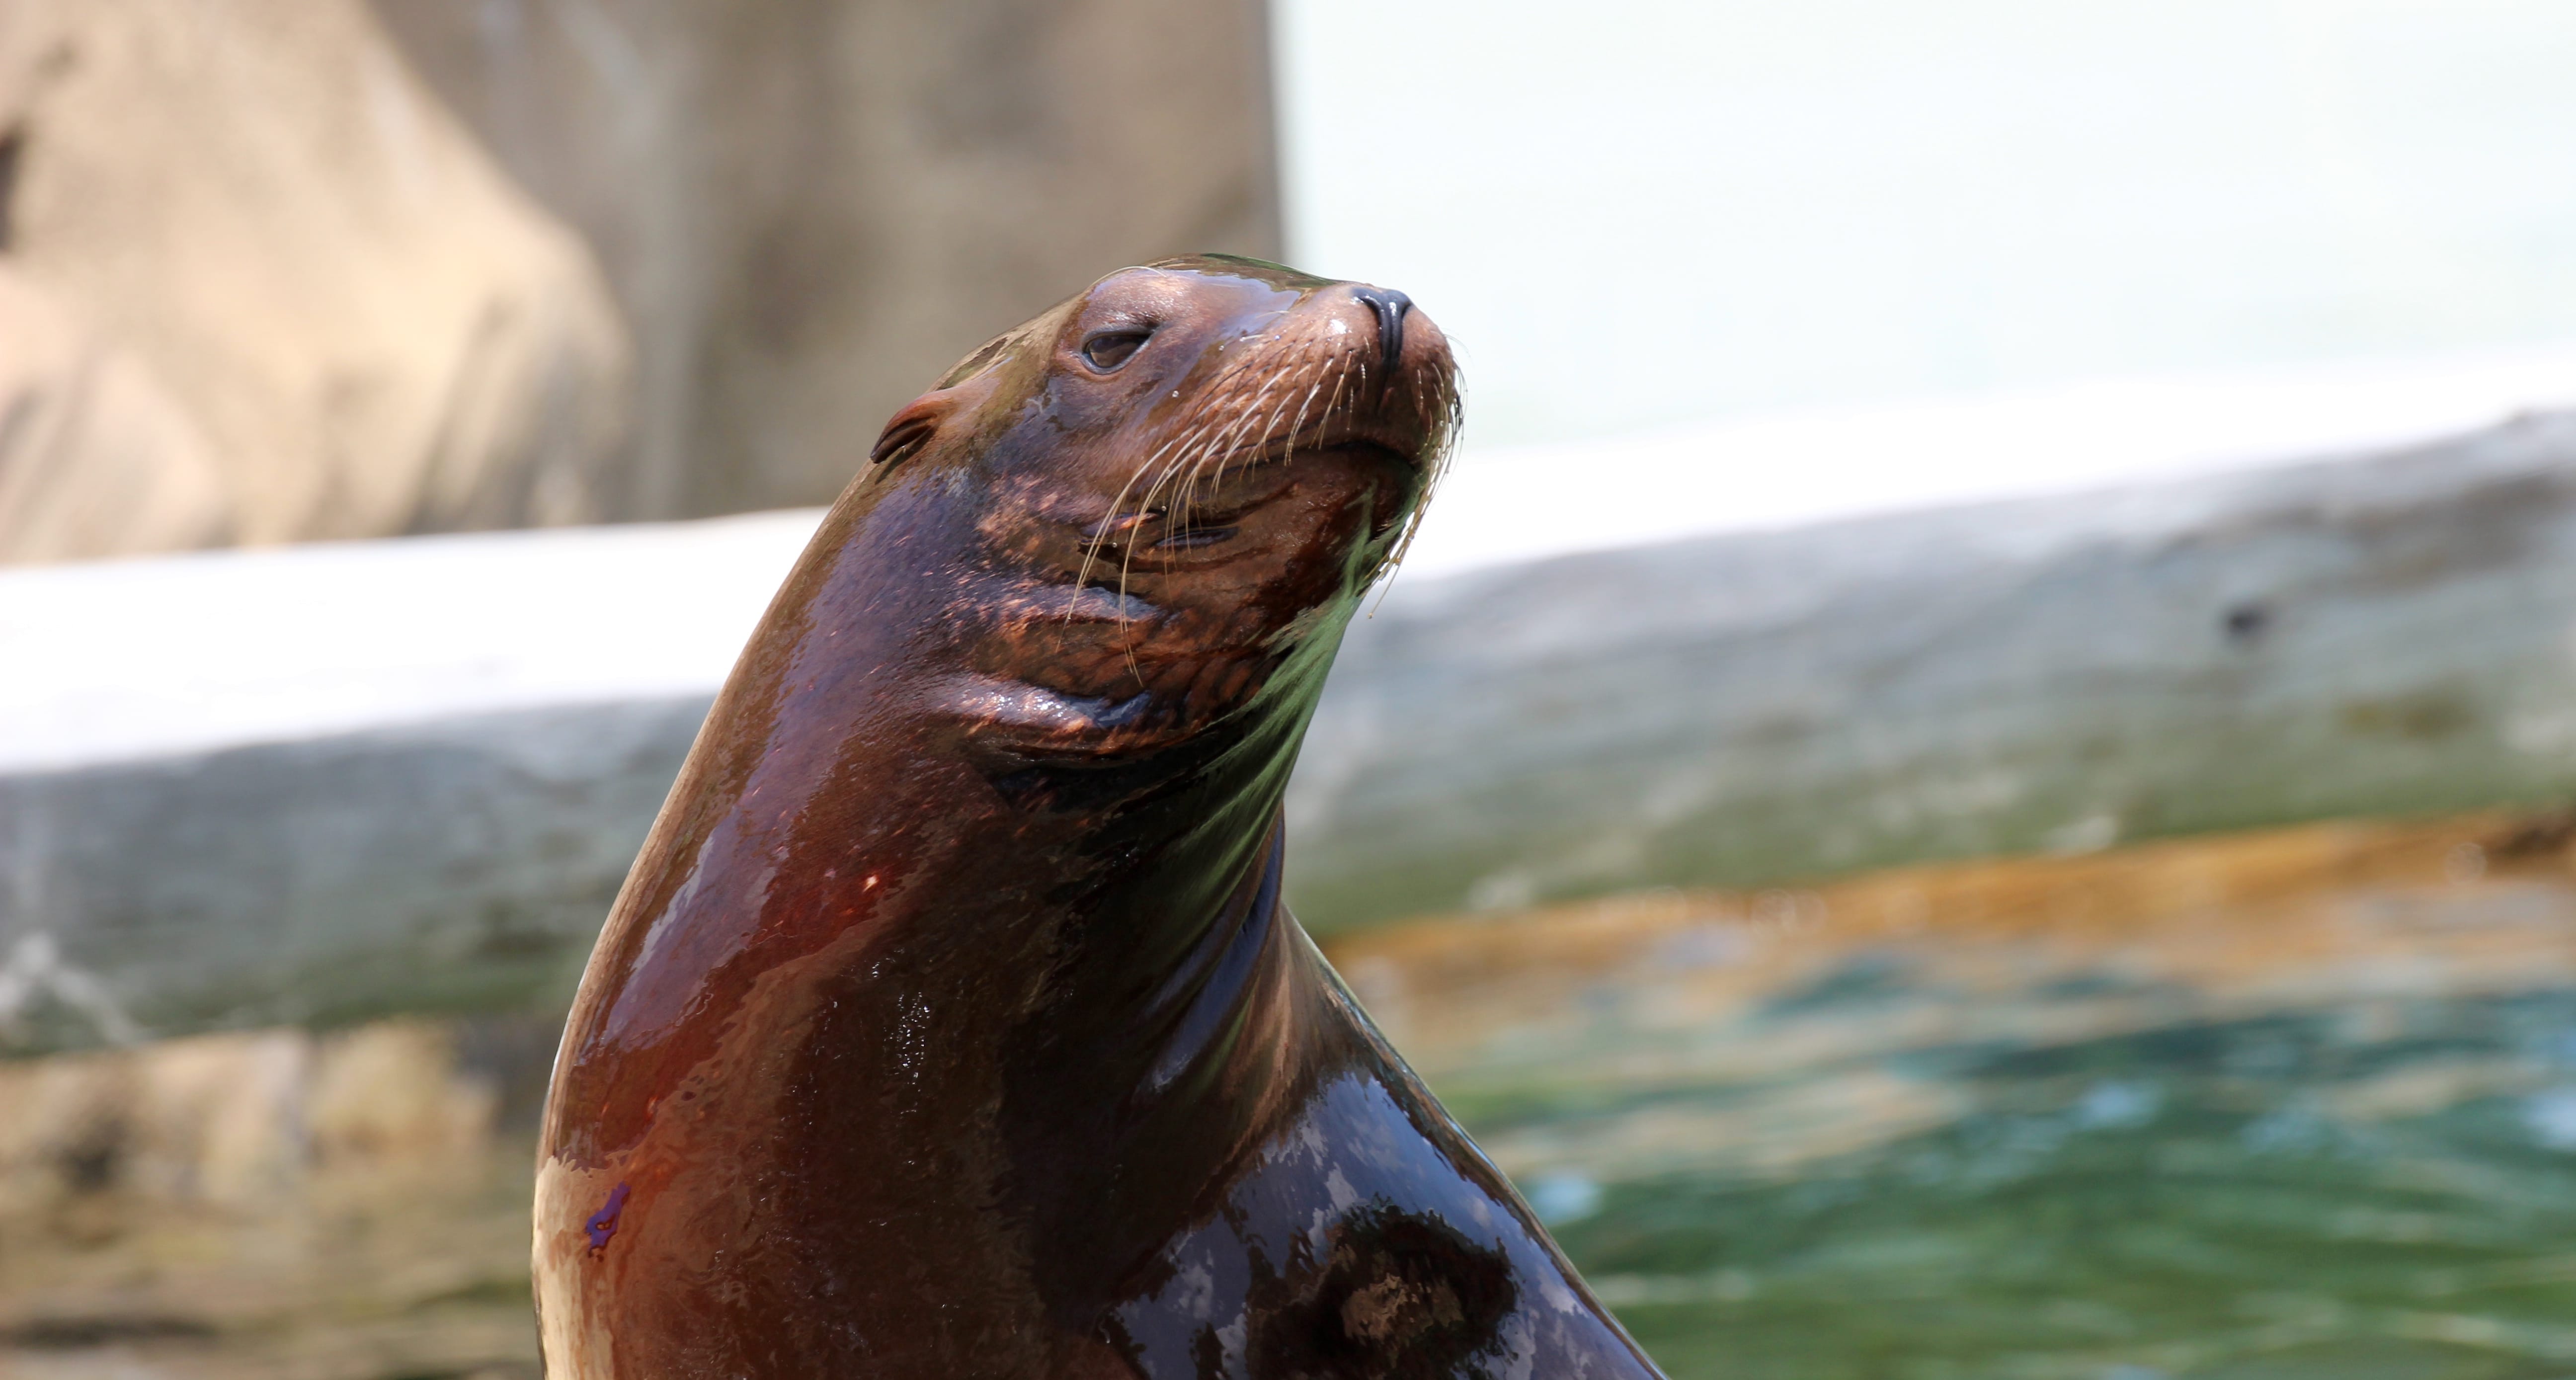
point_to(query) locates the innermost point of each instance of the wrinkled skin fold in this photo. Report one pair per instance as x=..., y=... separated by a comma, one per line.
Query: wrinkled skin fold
x=950, y=1023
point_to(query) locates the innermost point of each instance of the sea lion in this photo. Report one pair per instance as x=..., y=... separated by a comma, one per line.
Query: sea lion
x=950, y=1023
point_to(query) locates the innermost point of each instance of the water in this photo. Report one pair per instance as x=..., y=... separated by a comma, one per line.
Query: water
x=2271, y=1108
x=2178, y=1202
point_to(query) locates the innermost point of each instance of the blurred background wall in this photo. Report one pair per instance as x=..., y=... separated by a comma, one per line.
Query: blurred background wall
x=1774, y=206
x=262, y=287
x=290, y=271
x=809, y=209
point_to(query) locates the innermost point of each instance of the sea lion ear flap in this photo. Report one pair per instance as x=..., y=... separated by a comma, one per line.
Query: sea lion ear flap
x=909, y=430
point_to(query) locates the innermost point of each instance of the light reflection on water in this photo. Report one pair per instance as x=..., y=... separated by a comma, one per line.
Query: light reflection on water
x=2301, y=1106
x=2194, y=1210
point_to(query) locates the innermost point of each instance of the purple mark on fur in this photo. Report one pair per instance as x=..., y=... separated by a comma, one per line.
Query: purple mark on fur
x=603, y=1223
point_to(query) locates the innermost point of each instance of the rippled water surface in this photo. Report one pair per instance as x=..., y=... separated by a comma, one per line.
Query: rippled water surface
x=2301, y=1105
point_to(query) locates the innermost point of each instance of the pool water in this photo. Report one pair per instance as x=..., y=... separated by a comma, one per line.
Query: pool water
x=2299, y=1105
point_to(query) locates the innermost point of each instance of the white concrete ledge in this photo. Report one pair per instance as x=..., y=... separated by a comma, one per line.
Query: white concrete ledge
x=333, y=782
x=133, y=660
x=2387, y=634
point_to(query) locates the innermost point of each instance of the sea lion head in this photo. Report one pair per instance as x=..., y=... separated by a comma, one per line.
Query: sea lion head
x=1180, y=481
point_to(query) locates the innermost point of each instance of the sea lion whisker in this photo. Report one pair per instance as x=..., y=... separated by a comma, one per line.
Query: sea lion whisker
x=1187, y=447
x=1218, y=385
x=1127, y=551
x=1219, y=449
x=1438, y=450
x=1180, y=442
x=1270, y=433
x=1091, y=549
x=1227, y=447
x=1341, y=375
x=1297, y=427
x=1232, y=426
x=1207, y=440
x=1269, y=428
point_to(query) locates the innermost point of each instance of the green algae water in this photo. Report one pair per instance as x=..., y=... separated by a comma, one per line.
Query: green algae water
x=1951, y=1158
x=2170, y=1204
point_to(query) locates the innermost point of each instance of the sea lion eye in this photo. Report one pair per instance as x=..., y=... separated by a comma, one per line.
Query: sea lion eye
x=1107, y=350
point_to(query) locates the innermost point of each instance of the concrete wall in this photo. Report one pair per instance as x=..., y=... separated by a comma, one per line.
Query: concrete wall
x=807, y=209
x=2383, y=635
x=461, y=866
x=2389, y=634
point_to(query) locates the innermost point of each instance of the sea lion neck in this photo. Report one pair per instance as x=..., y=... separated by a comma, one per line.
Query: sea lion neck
x=950, y=1018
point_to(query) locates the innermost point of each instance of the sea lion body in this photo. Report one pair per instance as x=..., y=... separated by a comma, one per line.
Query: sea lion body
x=950, y=1023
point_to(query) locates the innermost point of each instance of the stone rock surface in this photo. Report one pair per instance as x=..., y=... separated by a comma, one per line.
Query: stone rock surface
x=266, y=1205
x=809, y=209
x=238, y=1121
x=255, y=203
x=96, y=457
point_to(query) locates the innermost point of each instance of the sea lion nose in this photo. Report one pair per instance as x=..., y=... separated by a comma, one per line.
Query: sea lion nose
x=1390, y=306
